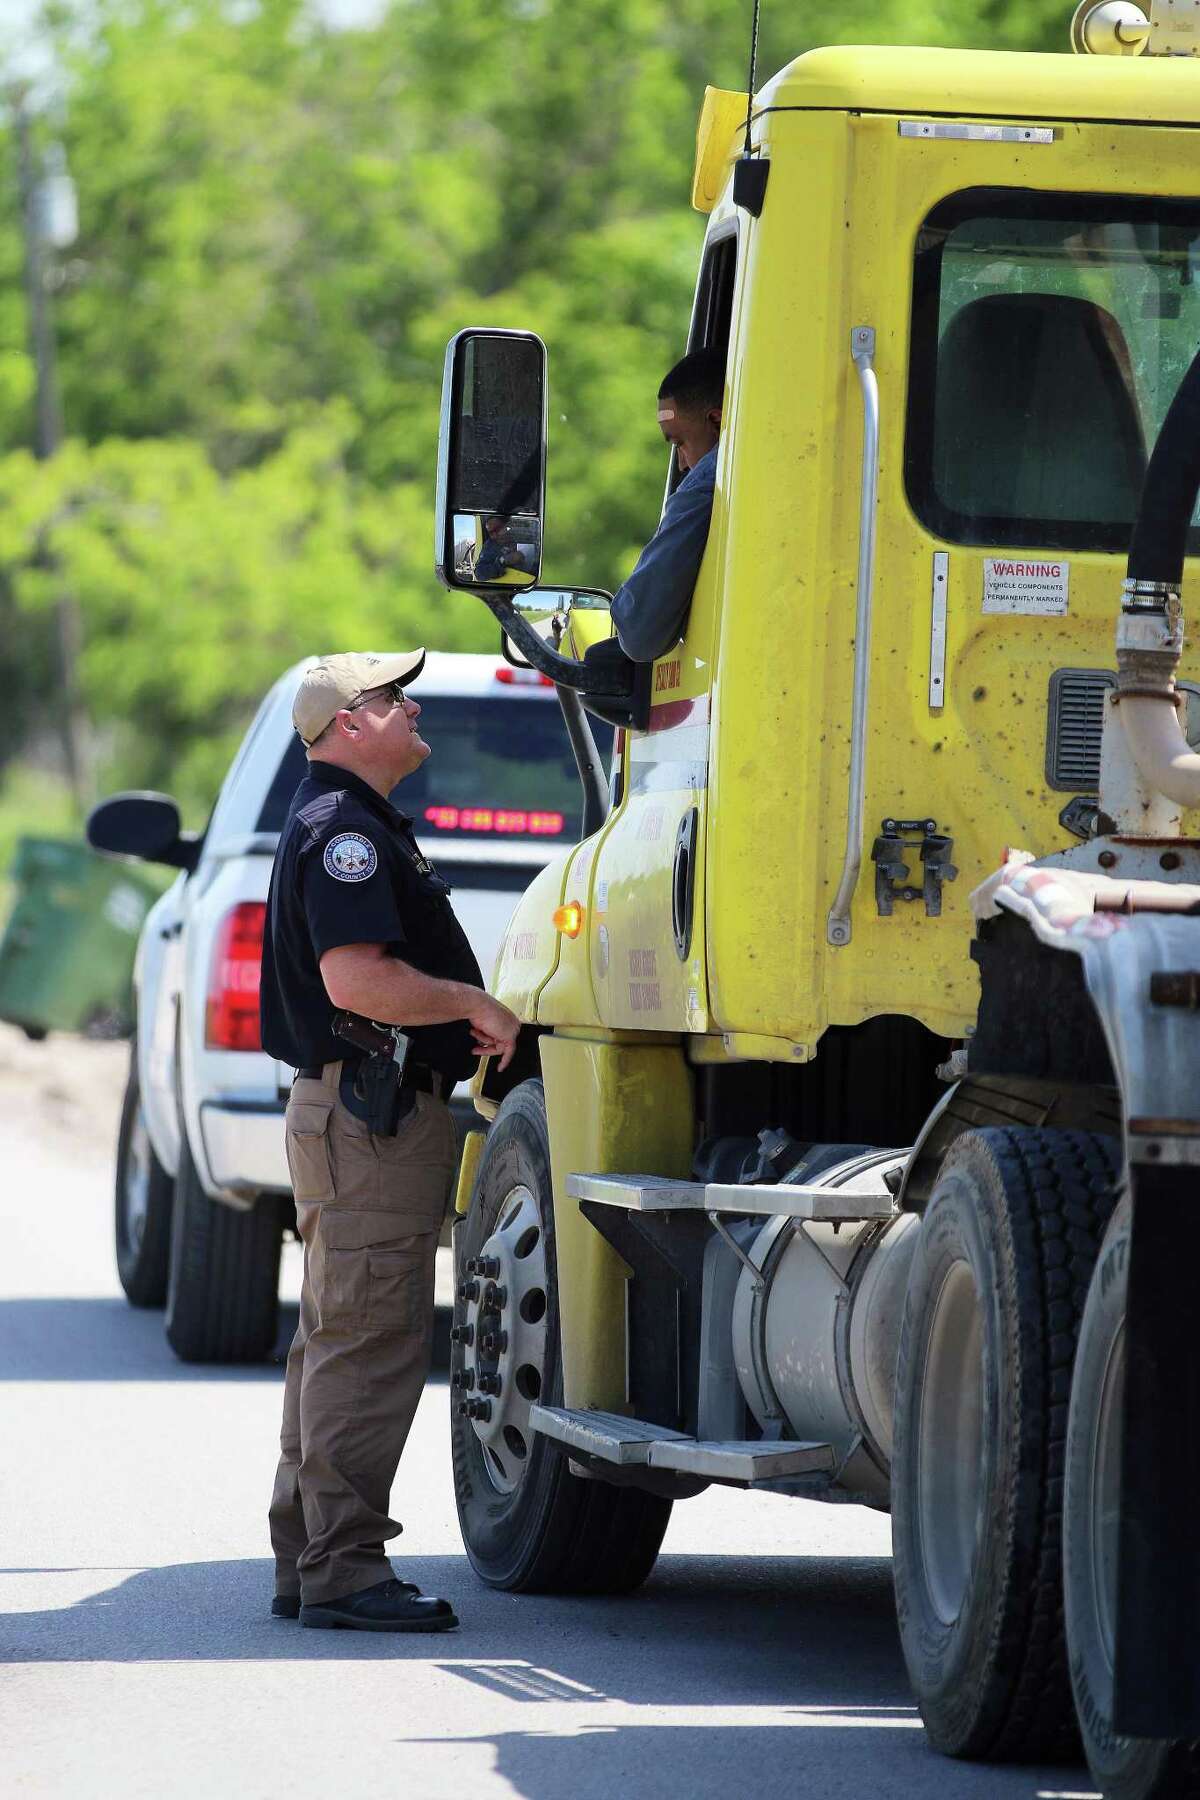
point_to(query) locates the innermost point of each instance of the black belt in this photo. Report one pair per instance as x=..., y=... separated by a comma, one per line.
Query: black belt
x=416, y=1075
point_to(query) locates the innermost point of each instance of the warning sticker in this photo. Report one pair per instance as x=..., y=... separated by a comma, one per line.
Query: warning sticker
x=1017, y=586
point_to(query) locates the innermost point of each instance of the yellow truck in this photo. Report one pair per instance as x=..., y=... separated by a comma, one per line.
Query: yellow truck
x=858, y=1071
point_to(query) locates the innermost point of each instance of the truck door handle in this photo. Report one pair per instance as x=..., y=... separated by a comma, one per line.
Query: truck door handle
x=683, y=881
x=862, y=350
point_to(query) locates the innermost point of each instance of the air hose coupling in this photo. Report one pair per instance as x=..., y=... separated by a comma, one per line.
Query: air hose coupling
x=1149, y=638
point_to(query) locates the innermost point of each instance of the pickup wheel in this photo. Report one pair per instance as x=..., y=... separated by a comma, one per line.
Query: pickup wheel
x=223, y=1294
x=1124, y=1768
x=528, y=1524
x=142, y=1208
x=987, y=1344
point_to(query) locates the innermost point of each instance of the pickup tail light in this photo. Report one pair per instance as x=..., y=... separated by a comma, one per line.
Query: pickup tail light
x=522, y=677
x=231, y=1015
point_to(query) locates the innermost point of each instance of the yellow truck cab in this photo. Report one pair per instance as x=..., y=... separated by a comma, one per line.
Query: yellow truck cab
x=757, y=1204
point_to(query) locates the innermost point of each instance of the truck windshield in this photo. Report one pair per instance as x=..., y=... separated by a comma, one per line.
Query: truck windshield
x=1049, y=334
x=501, y=768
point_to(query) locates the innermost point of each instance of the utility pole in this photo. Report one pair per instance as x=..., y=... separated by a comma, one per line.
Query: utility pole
x=39, y=231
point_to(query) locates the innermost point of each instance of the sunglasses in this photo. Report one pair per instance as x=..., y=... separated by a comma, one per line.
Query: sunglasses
x=391, y=689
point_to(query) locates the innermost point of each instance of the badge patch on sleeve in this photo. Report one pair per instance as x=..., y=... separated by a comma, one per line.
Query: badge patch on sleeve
x=349, y=857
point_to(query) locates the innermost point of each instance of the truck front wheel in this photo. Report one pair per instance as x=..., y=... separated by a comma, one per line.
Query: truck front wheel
x=142, y=1211
x=991, y=1318
x=223, y=1294
x=1124, y=1768
x=527, y=1523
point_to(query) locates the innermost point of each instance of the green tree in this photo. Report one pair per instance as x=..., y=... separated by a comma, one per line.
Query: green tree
x=281, y=226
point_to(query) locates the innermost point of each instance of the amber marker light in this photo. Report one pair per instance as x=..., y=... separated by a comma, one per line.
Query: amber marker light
x=569, y=919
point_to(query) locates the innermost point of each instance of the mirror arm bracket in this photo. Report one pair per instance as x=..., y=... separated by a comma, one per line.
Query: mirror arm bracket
x=564, y=671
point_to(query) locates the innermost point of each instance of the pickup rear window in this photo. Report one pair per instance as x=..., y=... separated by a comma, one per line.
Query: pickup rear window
x=501, y=768
x=1049, y=334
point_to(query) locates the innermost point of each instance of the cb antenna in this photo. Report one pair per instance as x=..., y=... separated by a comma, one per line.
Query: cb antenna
x=753, y=74
x=750, y=172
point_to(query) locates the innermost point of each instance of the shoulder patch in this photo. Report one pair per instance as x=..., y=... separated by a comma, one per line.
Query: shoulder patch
x=350, y=857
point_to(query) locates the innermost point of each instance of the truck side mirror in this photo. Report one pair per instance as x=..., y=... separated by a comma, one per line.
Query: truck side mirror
x=492, y=461
x=145, y=826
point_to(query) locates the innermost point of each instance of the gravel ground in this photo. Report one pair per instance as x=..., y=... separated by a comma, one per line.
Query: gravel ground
x=67, y=1089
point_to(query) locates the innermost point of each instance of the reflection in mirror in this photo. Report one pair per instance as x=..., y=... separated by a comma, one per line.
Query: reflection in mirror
x=564, y=600
x=496, y=549
x=547, y=624
x=497, y=465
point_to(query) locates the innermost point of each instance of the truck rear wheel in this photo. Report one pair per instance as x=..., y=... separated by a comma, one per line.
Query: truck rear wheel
x=528, y=1524
x=1124, y=1768
x=142, y=1209
x=223, y=1294
x=991, y=1317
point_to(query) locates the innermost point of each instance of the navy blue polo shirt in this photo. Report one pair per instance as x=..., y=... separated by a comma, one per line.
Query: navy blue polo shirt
x=348, y=870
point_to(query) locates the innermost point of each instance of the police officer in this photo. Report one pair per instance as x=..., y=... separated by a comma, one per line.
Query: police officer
x=358, y=919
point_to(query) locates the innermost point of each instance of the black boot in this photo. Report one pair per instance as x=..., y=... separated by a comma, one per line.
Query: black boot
x=388, y=1606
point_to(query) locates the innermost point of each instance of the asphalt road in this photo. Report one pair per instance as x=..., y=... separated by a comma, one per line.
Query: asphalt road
x=137, y=1656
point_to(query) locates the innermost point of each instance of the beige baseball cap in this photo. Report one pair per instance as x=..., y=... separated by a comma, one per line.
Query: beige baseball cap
x=338, y=681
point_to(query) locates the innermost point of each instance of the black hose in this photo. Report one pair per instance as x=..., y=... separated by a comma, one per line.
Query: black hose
x=1159, y=542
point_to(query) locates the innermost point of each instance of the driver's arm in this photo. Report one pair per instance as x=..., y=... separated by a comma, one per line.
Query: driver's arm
x=650, y=609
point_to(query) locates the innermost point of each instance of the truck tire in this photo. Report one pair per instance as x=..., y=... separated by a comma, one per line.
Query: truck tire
x=991, y=1318
x=1123, y=1768
x=223, y=1293
x=142, y=1203
x=527, y=1523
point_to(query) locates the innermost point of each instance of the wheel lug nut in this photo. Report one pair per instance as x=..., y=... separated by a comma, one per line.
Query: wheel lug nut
x=463, y=1378
x=489, y=1384
x=487, y=1266
x=494, y=1296
x=462, y=1334
x=468, y=1290
x=464, y=1409
x=481, y=1410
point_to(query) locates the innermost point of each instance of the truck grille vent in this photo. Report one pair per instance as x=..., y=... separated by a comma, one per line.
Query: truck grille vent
x=1075, y=721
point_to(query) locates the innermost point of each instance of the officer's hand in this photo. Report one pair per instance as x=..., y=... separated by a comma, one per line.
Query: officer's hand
x=494, y=1030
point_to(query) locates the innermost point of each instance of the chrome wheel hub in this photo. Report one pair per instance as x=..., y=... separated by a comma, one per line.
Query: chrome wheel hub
x=502, y=1342
x=950, y=1443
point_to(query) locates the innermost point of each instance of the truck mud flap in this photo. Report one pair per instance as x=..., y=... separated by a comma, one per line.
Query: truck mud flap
x=1156, y=1690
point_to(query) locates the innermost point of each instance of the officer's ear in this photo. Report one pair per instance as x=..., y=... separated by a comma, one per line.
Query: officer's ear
x=344, y=720
x=713, y=417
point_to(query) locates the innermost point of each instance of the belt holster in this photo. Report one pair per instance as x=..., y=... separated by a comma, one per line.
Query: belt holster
x=372, y=1090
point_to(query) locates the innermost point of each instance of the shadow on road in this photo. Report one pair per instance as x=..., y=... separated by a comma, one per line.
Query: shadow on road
x=106, y=1339
x=778, y=1626
x=871, y=1755
x=812, y=1638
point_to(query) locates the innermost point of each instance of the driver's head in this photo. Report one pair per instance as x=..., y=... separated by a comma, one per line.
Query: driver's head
x=689, y=405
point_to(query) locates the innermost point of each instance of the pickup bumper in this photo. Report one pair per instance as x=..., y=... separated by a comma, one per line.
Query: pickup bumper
x=243, y=1146
x=244, y=1150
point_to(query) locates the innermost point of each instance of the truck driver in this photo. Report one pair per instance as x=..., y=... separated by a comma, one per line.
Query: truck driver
x=650, y=609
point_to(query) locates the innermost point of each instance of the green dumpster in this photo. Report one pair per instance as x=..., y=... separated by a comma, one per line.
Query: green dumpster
x=66, y=956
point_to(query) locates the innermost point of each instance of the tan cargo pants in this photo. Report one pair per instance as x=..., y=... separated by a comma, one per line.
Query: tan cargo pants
x=369, y=1210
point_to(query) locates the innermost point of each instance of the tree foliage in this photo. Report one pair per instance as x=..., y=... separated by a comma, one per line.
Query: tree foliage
x=281, y=226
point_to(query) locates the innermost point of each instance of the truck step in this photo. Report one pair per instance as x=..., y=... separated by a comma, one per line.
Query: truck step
x=863, y=1195
x=632, y=1442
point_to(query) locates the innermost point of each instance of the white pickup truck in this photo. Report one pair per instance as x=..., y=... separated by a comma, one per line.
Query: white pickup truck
x=202, y=1193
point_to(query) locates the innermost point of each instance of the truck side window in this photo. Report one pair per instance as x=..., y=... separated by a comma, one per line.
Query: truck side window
x=712, y=314
x=1049, y=333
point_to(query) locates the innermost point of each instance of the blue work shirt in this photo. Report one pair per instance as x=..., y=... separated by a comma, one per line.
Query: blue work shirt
x=650, y=609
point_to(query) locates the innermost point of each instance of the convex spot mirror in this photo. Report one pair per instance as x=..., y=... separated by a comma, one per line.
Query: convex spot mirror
x=145, y=826
x=492, y=461
x=548, y=611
